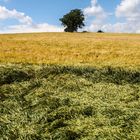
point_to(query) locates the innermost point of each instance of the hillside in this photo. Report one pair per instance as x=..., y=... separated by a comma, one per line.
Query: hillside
x=63, y=86
x=115, y=50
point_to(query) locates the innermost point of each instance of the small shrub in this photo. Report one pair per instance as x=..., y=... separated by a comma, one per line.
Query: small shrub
x=100, y=31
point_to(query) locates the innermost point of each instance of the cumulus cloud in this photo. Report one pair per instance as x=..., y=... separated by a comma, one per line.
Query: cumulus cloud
x=95, y=10
x=26, y=23
x=121, y=27
x=97, y=15
x=128, y=10
x=14, y=14
x=43, y=27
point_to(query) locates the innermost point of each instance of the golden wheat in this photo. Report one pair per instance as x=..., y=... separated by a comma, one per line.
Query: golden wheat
x=94, y=49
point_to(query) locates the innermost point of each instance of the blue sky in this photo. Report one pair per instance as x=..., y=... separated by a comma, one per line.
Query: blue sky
x=38, y=15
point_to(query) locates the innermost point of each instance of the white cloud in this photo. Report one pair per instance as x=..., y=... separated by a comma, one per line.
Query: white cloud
x=26, y=23
x=120, y=27
x=14, y=14
x=129, y=10
x=95, y=10
x=97, y=14
x=44, y=27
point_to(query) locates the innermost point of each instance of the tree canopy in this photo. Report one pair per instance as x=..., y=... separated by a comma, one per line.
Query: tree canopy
x=73, y=20
x=100, y=31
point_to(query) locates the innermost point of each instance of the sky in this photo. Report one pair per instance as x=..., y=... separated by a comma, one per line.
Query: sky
x=18, y=16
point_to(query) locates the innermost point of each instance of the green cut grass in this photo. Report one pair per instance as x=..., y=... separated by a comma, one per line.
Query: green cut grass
x=53, y=102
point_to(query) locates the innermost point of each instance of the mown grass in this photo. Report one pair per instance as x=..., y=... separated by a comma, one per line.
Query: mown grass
x=115, y=50
x=55, y=102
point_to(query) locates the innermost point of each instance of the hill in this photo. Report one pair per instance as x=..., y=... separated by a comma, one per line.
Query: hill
x=63, y=86
x=115, y=50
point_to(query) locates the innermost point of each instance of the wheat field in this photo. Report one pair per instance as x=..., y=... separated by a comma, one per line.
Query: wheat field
x=70, y=86
x=116, y=50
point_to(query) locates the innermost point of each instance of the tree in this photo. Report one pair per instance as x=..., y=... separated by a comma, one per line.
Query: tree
x=100, y=31
x=73, y=20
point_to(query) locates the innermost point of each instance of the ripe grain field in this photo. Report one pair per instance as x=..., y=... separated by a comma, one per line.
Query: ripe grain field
x=121, y=50
x=70, y=86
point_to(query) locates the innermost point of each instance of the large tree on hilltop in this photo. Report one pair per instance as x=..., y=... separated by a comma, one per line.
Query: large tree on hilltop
x=73, y=20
